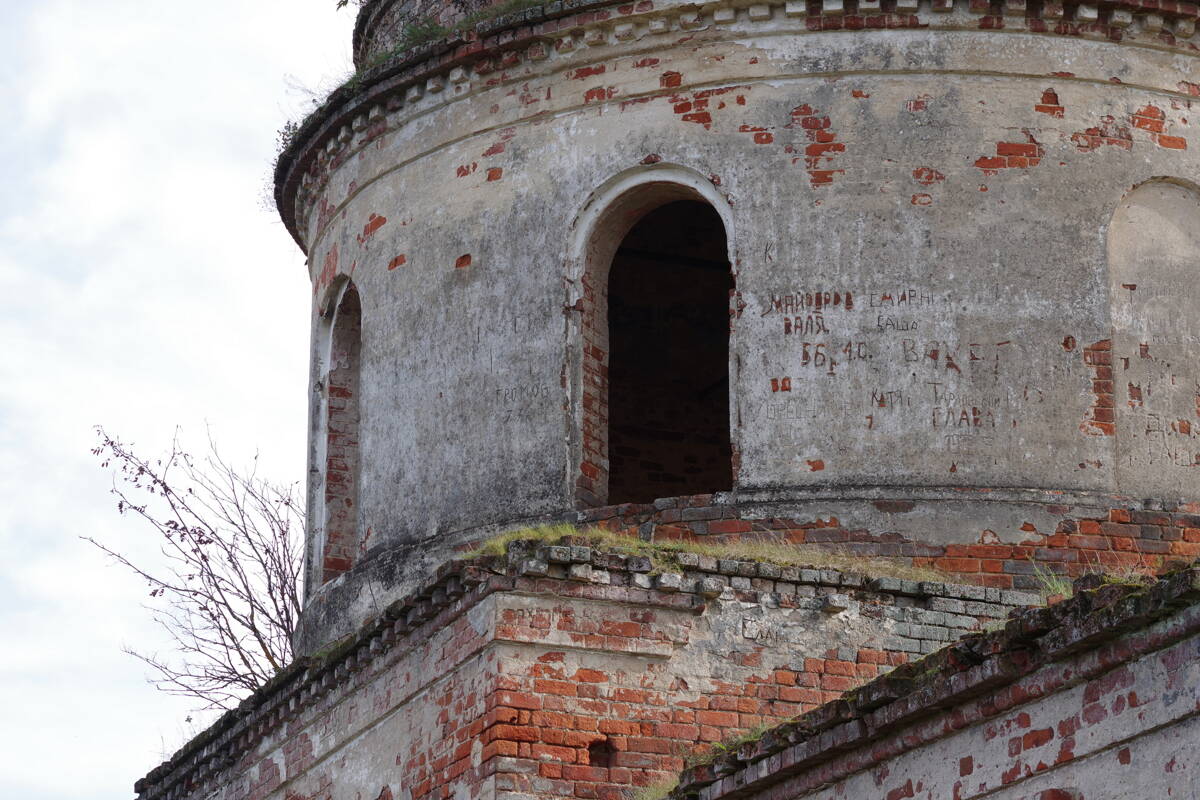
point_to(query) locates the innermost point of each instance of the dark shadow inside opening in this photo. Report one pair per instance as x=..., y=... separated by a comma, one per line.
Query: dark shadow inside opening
x=668, y=379
x=600, y=753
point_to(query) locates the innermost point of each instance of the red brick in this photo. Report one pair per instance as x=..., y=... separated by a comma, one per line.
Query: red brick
x=514, y=733
x=957, y=564
x=836, y=683
x=549, y=752
x=724, y=719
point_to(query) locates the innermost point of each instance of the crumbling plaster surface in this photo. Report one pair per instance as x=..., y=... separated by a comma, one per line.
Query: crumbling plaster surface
x=944, y=191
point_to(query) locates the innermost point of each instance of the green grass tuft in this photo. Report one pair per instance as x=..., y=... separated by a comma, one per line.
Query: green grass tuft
x=1052, y=583
x=656, y=791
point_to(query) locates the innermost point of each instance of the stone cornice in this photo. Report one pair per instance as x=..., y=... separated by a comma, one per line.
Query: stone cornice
x=382, y=97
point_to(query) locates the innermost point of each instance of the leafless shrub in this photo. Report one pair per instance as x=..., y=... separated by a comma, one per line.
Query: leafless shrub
x=227, y=592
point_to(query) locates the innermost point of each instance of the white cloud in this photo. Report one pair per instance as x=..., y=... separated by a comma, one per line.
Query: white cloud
x=142, y=286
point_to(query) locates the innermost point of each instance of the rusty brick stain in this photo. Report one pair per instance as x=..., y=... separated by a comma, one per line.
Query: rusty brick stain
x=587, y=72
x=463, y=261
x=397, y=262
x=927, y=176
x=918, y=104
x=328, y=270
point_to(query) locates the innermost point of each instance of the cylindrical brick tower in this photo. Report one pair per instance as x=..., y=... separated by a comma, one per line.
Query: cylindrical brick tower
x=916, y=278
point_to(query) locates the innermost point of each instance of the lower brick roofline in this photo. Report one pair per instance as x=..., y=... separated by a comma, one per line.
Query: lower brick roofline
x=977, y=664
x=569, y=566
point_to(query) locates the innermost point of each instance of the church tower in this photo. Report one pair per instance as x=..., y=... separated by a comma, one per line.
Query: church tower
x=915, y=278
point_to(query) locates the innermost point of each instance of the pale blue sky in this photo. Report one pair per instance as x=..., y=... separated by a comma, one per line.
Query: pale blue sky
x=143, y=285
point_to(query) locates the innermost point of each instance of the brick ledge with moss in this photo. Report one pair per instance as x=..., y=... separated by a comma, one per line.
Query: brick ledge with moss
x=1082, y=700
x=555, y=664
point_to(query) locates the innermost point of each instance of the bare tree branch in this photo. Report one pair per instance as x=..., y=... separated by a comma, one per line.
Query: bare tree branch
x=228, y=591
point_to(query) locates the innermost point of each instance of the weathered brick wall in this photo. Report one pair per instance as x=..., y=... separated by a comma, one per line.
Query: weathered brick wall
x=1093, y=699
x=565, y=672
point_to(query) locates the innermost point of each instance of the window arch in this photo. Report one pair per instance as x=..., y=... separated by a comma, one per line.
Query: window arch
x=653, y=280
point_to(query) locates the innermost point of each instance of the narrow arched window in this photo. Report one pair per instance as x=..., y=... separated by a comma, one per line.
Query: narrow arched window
x=341, y=470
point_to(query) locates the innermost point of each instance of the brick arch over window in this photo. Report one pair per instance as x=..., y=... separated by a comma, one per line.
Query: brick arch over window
x=661, y=238
x=337, y=545
x=1146, y=381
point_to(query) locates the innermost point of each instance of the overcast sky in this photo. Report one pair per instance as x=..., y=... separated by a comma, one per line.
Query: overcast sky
x=143, y=285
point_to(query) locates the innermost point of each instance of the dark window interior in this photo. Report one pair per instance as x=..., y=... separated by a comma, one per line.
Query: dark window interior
x=668, y=327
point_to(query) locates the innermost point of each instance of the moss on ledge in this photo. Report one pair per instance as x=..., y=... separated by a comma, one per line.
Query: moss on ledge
x=664, y=555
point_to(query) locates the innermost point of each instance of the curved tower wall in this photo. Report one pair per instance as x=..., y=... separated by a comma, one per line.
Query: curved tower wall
x=935, y=218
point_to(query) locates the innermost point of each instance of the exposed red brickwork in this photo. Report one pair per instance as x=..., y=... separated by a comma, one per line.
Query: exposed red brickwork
x=1109, y=133
x=1050, y=104
x=374, y=223
x=329, y=270
x=592, y=482
x=698, y=106
x=1012, y=155
x=554, y=720
x=1154, y=120
x=1120, y=539
x=823, y=147
x=341, y=437
x=1100, y=419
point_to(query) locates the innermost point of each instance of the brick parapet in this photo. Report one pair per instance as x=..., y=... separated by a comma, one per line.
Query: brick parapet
x=437, y=635
x=1085, y=642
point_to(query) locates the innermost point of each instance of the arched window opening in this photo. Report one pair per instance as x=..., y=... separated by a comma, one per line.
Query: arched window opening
x=341, y=437
x=668, y=356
